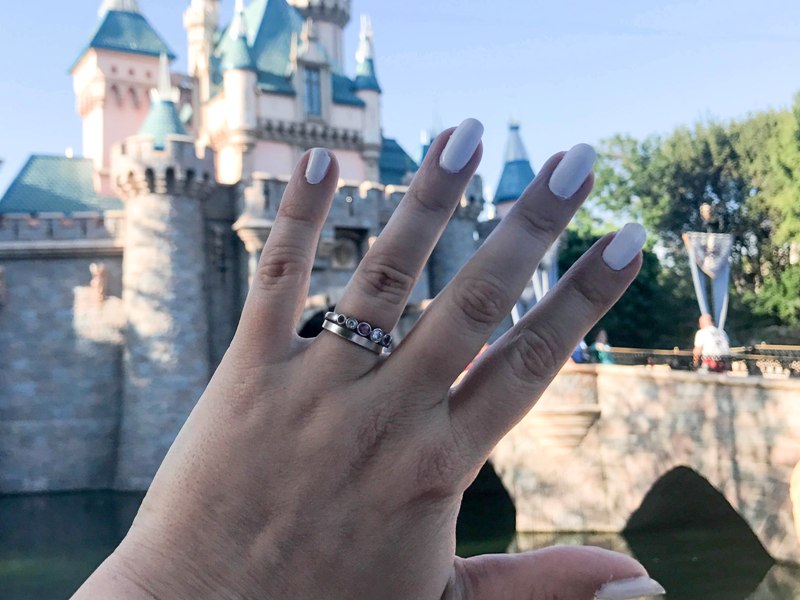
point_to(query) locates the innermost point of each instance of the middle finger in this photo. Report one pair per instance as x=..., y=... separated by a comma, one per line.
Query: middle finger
x=378, y=292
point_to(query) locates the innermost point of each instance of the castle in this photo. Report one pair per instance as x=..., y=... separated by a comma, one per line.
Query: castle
x=122, y=273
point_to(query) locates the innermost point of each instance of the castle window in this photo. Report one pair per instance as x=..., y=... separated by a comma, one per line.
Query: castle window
x=313, y=96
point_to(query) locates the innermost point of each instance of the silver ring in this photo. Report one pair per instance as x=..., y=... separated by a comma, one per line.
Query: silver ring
x=352, y=336
x=374, y=334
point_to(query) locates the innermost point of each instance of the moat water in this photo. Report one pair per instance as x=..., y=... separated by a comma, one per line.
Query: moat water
x=50, y=543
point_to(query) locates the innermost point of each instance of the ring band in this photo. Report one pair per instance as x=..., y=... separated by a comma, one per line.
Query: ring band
x=352, y=336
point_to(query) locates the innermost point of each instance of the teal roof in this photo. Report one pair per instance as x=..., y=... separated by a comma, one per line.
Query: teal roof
x=237, y=55
x=365, y=76
x=344, y=91
x=517, y=174
x=394, y=164
x=270, y=26
x=126, y=32
x=55, y=184
x=161, y=121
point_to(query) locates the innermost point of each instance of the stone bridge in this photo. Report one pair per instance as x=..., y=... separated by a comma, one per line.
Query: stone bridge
x=612, y=447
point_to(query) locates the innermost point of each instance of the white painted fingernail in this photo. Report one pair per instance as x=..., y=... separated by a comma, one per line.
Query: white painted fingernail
x=627, y=243
x=624, y=589
x=461, y=146
x=572, y=171
x=317, y=166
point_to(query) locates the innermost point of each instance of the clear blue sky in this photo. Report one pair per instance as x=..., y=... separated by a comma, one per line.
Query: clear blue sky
x=569, y=71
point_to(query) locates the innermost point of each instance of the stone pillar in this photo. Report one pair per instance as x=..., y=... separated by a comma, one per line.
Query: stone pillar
x=166, y=359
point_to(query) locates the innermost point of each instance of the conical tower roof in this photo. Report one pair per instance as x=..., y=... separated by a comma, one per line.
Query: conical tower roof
x=517, y=171
x=123, y=28
x=366, y=79
x=237, y=53
x=163, y=119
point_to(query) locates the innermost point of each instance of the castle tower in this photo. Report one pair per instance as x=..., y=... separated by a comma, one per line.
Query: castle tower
x=201, y=21
x=367, y=88
x=239, y=79
x=331, y=16
x=166, y=353
x=517, y=173
x=112, y=78
x=459, y=240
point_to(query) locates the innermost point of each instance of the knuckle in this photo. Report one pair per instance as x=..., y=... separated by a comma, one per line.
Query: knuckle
x=385, y=282
x=534, y=355
x=279, y=265
x=541, y=225
x=480, y=302
x=586, y=292
x=428, y=201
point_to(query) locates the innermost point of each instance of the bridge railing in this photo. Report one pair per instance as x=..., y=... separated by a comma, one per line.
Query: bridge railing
x=760, y=360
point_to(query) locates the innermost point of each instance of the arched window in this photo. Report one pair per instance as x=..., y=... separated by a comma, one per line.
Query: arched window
x=116, y=95
x=313, y=94
x=134, y=97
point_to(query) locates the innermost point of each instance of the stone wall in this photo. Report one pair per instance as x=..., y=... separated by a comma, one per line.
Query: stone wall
x=602, y=436
x=59, y=374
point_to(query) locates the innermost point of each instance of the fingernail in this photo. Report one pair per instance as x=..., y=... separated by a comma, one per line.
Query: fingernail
x=318, y=164
x=572, y=171
x=627, y=243
x=461, y=146
x=624, y=589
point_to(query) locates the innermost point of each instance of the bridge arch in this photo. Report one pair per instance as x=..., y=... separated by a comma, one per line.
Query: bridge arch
x=602, y=437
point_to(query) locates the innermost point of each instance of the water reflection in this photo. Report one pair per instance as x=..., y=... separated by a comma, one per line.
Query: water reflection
x=50, y=543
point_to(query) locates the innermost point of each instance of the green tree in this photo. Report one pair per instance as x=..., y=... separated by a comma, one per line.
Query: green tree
x=748, y=171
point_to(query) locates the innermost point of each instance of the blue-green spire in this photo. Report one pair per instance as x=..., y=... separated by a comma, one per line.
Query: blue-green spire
x=123, y=28
x=365, y=59
x=517, y=171
x=163, y=119
x=237, y=53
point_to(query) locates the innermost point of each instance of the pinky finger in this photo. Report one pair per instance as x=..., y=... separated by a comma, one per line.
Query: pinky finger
x=511, y=376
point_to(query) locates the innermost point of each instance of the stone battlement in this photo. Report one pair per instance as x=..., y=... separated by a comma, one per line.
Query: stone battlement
x=364, y=205
x=139, y=166
x=24, y=235
x=337, y=11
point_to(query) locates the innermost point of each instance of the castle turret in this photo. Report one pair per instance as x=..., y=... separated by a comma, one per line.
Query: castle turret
x=111, y=80
x=517, y=173
x=239, y=88
x=166, y=356
x=331, y=16
x=201, y=21
x=368, y=90
x=458, y=242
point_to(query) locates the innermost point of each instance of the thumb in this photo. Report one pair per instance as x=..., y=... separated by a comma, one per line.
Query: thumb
x=566, y=572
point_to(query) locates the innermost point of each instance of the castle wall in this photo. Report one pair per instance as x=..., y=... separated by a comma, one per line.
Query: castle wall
x=60, y=358
x=223, y=280
x=166, y=357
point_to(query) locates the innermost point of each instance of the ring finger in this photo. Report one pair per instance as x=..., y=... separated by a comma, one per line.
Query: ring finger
x=382, y=283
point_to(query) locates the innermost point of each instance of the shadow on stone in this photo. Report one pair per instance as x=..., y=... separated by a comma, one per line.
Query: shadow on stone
x=691, y=540
x=487, y=521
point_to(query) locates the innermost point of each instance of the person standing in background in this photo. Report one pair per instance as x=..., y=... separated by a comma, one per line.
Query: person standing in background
x=601, y=350
x=711, y=346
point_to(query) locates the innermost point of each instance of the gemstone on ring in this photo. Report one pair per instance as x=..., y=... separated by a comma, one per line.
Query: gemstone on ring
x=351, y=323
x=363, y=329
x=339, y=319
x=386, y=341
x=376, y=335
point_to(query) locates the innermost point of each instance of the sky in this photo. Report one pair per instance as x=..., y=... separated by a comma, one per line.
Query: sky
x=569, y=71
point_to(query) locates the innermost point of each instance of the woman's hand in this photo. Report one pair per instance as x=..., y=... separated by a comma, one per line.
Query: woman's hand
x=318, y=469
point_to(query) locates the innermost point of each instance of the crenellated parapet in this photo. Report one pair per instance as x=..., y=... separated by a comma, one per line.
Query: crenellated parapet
x=58, y=234
x=310, y=133
x=334, y=11
x=358, y=214
x=139, y=167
